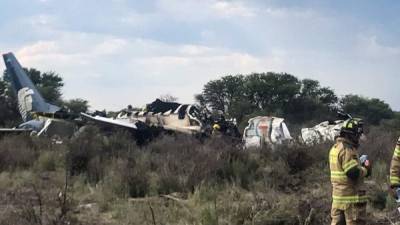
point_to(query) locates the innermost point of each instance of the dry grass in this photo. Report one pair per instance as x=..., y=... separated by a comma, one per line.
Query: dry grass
x=175, y=180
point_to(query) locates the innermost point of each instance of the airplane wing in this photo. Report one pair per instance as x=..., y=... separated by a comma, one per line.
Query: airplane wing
x=184, y=129
x=4, y=131
x=110, y=121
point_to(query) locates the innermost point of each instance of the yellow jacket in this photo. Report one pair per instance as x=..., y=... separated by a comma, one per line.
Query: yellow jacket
x=395, y=167
x=347, y=175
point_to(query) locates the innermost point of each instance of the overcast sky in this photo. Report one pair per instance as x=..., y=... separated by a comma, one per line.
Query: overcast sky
x=119, y=52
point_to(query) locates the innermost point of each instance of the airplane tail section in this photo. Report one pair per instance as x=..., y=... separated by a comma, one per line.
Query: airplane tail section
x=29, y=98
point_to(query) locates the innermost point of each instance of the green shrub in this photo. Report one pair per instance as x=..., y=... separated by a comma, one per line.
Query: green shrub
x=47, y=161
x=81, y=150
x=16, y=152
x=209, y=216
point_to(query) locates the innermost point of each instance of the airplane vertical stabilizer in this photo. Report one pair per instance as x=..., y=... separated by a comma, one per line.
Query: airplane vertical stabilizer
x=29, y=98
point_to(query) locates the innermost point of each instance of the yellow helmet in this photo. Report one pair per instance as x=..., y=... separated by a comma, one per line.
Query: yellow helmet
x=353, y=127
x=216, y=126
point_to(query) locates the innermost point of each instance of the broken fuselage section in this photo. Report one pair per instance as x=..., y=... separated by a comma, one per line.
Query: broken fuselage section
x=158, y=115
x=183, y=118
x=326, y=131
x=265, y=131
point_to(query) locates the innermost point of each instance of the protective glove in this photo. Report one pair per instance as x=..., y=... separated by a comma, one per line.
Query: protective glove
x=397, y=191
x=366, y=164
x=363, y=159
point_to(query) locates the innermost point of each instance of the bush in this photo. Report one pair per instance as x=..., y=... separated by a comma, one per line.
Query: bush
x=16, y=152
x=238, y=167
x=209, y=216
x=82, y=151
x=47, y=161
x=379, y=145
x=136, y=174
x=217, y=182
x=115, y=178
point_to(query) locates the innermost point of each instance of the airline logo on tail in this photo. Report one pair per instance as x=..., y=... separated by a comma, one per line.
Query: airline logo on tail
x=25, y=102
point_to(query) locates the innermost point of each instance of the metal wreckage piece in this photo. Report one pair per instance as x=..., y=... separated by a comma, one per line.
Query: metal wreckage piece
x=265, y=131
x=323, y=132
x=272, y=131
x=168, y=116
x=326, y=131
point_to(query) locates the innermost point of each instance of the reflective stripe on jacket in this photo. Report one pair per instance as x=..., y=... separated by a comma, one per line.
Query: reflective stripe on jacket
x=395, y=167
x=343, y=157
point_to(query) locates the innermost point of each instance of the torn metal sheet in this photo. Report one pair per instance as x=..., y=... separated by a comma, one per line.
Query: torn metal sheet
x=6, y=131
x=118, y=122
x=323, y=132
x=57, y=128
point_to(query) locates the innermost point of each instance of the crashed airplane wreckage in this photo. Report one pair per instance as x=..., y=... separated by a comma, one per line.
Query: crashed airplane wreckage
x=323, y=132
x=39, y=117
x=167, y=116
x=265, y=130
x=272, y=131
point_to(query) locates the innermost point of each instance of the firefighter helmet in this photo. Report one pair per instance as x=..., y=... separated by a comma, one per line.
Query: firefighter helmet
x=353, y=127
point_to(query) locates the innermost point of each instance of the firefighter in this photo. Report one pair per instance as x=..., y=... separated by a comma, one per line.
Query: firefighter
x=395, y=170
x=349, y=198
x=216, y=130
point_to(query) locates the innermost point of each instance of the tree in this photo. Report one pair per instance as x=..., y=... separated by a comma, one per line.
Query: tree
x=312, y=89
x=372, y=110
x=271, y=92
x=76, y=105
x=312, y=103
x=9, y=115
x=199, y=98
x=49, y=84
x=214, y=95
x=239, y=95
x=276, y=94
x=225, y=94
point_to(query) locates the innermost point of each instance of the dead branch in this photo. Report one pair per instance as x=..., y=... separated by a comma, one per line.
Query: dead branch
x=152, y=214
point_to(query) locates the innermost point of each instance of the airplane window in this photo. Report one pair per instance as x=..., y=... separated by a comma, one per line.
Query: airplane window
x=194, y=112
x=251, y=127
x=182, y=112
x=251, y=131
